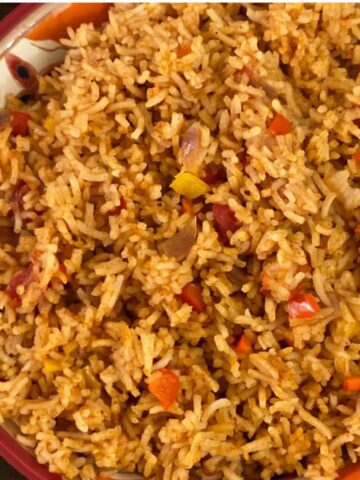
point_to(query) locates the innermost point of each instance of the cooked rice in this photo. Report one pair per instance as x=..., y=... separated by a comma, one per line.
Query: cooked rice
x=103, y=308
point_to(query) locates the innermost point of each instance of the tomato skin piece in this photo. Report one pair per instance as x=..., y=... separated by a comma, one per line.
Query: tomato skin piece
x=164, y=385
x=225, y=221
x=191, y=294
x=352, y=384
x=279, y=125
x=119, y=208
x=349, y=472
x=20, y=123
x=303, y=306
x=18, y=194
x=24, y=277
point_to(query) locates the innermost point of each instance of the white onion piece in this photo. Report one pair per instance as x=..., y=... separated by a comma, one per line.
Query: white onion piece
x=180, y=244
x=339, y=183
x=270, y=91
x=192, y=153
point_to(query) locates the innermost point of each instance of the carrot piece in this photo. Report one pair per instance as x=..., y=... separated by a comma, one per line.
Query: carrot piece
x=279, y=125
x=20, y=123
x=244, y=345
x=349, y=472
x=164, y=385
x=183, y=49
x=357, y=157
x=186, y=206
x=352, y=384
x=303, y=306
x=191, y=294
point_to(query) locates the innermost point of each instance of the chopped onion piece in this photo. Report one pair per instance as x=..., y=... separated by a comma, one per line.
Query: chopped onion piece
x=192, y=153
x=180, y=244
x=339, y=183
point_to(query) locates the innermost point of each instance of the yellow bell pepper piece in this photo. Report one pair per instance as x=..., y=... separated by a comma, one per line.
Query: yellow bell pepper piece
x=189, y=185
x=90, y=378
x=49, y=124
x=52, y=366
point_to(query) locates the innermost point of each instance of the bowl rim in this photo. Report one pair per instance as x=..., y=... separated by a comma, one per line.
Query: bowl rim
x=18, y=23
x=18, y=14
x=21, y=460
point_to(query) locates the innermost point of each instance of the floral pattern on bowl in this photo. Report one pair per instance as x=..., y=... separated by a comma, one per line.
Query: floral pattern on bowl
x=32, y=46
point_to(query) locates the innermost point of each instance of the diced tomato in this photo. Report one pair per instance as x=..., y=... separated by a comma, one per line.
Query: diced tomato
x=164, y=385
x=351, y=383
x=213, y=174
x=357, y=157
x=225, y=221
x=191, y=294
x=18, y=194
x=24, y=277
x=303, y=306
x=186, y=206
x=183, y=49
x=119, y=208
x=279, y=125
x=244, y=345
x=20, y=123
x=349, y=472
x=296, y=291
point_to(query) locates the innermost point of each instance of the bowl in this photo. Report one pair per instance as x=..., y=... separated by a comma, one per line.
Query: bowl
x=29, y=45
